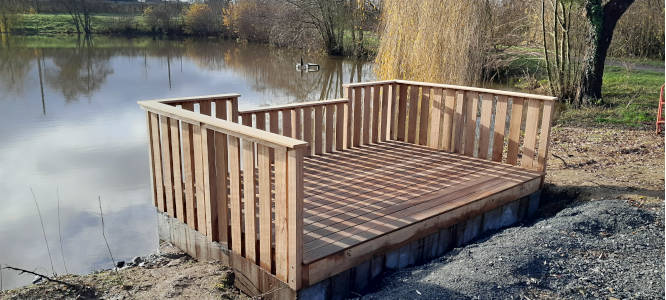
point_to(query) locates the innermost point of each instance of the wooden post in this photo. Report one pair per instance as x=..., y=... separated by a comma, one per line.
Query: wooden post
x=295, y=215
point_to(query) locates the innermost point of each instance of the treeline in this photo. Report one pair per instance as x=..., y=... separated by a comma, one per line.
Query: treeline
x=340, y=27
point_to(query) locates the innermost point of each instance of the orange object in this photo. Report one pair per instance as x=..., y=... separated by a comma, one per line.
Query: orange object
x=660, y=113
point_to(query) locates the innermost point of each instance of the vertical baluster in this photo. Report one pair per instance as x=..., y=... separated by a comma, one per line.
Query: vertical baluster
x=281, y=238
x=472, y=99
x=177, y=175
x=385, y=122
x=330, y=109
x=458, y=123
x=402, y=113
x=358, y=117
x=221, y=171
x=307, y=130
x=544, y=137
x=531, y=127
x=199, y=179
x=265, y=216
x=484, y=131
x=319, y=128
x=341, y=115
x=295, y=215
x=412, y=130
x=500, y=127
x=235, y=196
x=514, y=131
x=424, y=111
x=249, y=199
x=435, y=119
x=157, y=161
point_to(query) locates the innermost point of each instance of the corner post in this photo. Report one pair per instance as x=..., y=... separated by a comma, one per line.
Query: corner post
x=295, y=215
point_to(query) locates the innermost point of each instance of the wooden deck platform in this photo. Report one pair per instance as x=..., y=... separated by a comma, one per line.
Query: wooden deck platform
x=341, y=185
x=358, y=195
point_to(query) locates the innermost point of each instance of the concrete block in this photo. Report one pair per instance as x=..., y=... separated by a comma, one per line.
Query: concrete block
x=340, y=285
x=361, y=276
x=510, y=214
x=534, y=201
x=430, y=246
x=319, y=291
x=469, y=231
x=376, y=266
x=444, y=240
x=492, y=219
x=392, y=260
x=404, y=257
x=522, y=211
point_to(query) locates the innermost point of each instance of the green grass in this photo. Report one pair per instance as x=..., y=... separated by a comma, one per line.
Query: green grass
x=630, y=99
x=54, y=24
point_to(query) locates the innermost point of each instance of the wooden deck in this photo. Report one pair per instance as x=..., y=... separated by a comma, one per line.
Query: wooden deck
x=337, y=183
x=355, y=196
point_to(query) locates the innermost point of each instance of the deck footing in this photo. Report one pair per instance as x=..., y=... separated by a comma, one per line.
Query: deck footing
x=355, y=281
x=255, y=282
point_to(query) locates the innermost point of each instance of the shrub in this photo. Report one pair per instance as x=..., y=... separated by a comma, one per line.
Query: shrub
x=201, y=20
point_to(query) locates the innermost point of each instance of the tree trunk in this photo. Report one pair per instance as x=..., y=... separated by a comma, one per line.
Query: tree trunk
x=602, y=20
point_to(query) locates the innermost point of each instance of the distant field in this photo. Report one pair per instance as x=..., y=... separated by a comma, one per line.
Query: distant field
x=49, y=24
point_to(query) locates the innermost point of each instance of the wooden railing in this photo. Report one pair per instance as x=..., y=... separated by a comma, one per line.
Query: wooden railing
x=322, y=124
x=496, y=125
x=216, y=176
x=242, y=184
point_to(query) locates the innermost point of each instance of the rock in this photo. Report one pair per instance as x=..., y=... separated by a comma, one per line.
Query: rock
x=37, y=279
x=227, y=278
x=120, y=264
x=137, y=260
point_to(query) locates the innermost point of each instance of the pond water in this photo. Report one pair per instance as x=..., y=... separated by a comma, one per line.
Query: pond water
x=70, y=128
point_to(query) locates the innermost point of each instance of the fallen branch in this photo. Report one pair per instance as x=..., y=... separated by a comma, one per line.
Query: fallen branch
x=566, y=165
x=71, y=285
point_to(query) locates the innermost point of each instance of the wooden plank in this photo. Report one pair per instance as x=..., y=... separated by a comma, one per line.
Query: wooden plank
x=190, y=100
x=295, y=215
x=385, y=123
x=199, y=179
x=286, y=123
x=367, y=110
x=436, y=111
x=274, y=122
x=188, y=167
x=157, y=161
x=531, y=128
x=281, y=238
x=452, y=213
x=544, y=136
x=472, y=99
x=177, y=174
x=221, y=172
x=261, y=120
x=424, y=111
x=447, y=120
x=246, y=120
x=349, y=117
x=210, y=188
x=514, y=131
x=479, y=90
x=250, y=201
x=235, y=196
x=412, y=130
x=295, y=106
x=358, y=117
x=297, y=123
x=500, y=127
x=256, y=135
x=318, y=129
x=307, y=130
x=221, y=109
x=330, y=133
x=395, y=116
x=484, y=131
x=402, y=113
x=341, y=115
x=265, y=216
x=167, y=166
x=234, y=110
x=458, y=123
x=376, y=106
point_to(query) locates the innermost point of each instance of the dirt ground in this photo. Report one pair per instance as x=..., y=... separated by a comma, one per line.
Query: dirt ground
x=586, y=164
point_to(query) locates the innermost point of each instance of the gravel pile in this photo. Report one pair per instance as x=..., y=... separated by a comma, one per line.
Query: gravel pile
x=601, y=249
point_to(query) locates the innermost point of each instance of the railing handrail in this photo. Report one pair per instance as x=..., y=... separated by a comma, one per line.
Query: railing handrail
x=220, y=125
x=455, y=87
x=231, y=96
x=294, y=105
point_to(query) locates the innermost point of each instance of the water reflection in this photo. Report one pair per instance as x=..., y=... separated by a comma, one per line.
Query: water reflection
x=69, y=121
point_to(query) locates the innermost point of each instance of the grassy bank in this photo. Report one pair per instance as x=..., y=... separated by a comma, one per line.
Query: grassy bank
x=52, y=24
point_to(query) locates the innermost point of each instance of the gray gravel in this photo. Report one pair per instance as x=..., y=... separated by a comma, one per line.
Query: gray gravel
x=602, y=250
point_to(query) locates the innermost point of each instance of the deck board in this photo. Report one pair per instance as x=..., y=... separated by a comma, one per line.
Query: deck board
x=357, y=195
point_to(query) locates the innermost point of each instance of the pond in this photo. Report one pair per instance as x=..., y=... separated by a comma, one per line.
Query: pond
x=72, y=133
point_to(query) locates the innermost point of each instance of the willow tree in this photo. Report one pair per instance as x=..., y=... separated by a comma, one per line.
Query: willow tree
x=432, y=40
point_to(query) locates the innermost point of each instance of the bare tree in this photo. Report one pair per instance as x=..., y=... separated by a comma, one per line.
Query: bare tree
x=80, y=12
